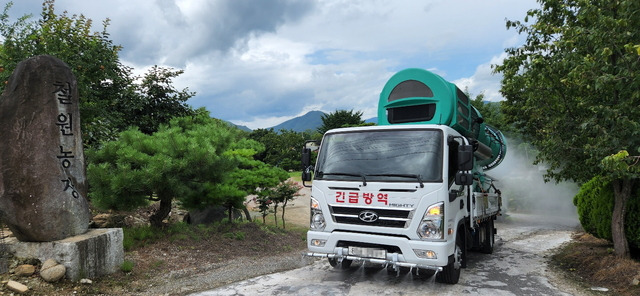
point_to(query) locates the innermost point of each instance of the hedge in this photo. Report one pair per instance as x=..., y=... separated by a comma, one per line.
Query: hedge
x=595, y=207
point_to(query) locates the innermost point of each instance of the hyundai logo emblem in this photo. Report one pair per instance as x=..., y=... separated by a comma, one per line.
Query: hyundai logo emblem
x=368, y=216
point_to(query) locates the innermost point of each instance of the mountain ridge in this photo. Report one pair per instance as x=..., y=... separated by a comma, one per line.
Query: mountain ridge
x=312, y=120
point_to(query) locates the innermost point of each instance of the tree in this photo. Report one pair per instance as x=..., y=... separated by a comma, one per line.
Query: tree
x=103, y=81
x=491, y=112
x=573, y=89
x=263, y=199
x=251, y=176
x=158, y=101
x=184, y=160
x=282, y=149
x=340, y=118
x=284, y=193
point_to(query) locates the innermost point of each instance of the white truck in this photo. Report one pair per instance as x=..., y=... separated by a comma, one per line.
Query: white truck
x=410, y=192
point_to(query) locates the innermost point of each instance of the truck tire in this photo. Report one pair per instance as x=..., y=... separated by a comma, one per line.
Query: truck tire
x=489, y=237
x=450, y=274
x=340, y=264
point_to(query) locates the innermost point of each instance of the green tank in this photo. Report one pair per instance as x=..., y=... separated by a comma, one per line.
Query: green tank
x=417, y=96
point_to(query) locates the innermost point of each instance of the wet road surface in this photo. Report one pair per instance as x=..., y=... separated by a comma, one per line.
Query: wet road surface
x=517, y=267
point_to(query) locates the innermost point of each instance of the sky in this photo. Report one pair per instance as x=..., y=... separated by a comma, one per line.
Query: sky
x=259, y=63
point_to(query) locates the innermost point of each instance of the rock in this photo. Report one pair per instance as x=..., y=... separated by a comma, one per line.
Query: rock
x=133, y=221
x=51, y=271
x=17, y=287
x=25, y=270
x=42, y=168
x=599, y=289
x=108, y=220
x=635, y=281
x=48, y=264
x=101, y=221
x=86, y=281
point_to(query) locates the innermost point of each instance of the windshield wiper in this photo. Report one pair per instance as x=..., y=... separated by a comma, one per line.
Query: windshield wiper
x=364, y=179
x=401, y=175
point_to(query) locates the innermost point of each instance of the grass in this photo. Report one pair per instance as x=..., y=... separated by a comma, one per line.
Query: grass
x=296, y=176
x=137, y=237
x=126, y=266
x=239, y=235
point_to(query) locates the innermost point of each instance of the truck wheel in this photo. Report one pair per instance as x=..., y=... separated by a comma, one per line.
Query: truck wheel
x=450, y=274
x=489, y=237
x=340, y=264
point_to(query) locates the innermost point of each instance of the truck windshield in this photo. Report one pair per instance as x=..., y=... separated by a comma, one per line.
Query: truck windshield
x=398, y=155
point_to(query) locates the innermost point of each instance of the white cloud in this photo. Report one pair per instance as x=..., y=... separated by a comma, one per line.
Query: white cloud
x=262, y=62
x=484, y=80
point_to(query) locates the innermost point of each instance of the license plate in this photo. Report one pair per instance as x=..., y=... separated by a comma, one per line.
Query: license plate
x=368, y=252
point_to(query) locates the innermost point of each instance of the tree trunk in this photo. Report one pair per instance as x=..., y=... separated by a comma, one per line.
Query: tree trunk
x=275, y=214
x=622, y=193
x=283, y=226
x=247, y=214
x=162, y=212
x=283, y=207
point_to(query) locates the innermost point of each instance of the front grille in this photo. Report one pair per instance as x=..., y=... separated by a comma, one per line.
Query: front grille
x=394, y=218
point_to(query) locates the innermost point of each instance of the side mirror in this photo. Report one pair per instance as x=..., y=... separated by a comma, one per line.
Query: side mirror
x=464, y=178
x=465, y=158
x=306, y=157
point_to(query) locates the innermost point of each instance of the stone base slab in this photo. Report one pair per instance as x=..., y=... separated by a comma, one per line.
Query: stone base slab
x=93, y=254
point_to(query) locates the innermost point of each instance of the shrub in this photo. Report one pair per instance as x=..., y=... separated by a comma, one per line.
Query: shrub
x=595, y=207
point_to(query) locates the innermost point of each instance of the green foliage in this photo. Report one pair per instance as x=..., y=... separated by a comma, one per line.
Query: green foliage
x=595, y=206
x=253, y=174
x=139, y=236
x=282, y=149
x=573, y=88
x=239, y=235
x=594, y=203
x=184, y=160
x=285, y=192
x=157, y=101
x=492, y=113
x=249, y=177
x=273, y=197
x=622, y=165
x=263, y=199
x=127, y=266
x=340, y=118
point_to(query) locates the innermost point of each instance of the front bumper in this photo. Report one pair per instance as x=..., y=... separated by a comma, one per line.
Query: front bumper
x=406, y=257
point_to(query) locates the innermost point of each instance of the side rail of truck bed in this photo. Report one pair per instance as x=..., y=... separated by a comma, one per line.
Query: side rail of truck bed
x=485, y=205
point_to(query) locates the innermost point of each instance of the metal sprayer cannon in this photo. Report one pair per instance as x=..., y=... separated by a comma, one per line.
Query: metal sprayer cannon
x=417, y=96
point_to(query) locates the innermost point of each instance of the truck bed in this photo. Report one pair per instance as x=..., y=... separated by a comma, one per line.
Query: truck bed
x=485, y=205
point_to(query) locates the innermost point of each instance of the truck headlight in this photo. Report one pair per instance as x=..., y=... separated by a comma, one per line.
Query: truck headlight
x=317, y=218
x=432, y=226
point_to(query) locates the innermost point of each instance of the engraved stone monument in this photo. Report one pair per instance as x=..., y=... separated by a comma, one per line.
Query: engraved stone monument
x=42, y=169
